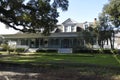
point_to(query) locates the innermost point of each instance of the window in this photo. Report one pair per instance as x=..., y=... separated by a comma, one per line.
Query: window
x=69, y=29
x=66, y=28
x=72, y=28
x=41, y=42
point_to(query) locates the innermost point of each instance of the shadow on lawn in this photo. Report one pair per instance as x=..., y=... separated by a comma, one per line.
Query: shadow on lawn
x=55, y=75
x=23, y=72
x=56, y=71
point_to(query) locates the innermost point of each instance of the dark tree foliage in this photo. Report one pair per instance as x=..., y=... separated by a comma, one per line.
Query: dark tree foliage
x=32, y=16
x=113, y=10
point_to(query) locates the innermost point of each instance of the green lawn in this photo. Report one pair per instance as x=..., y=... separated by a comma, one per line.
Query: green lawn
x=98, y=59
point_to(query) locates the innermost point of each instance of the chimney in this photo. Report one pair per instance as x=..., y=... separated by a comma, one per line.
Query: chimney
x=95, y=21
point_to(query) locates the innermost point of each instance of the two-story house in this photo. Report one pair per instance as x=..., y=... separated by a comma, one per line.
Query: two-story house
x=67, y=35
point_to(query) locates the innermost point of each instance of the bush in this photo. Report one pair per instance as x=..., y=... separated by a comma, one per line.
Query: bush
x=103, y=51
x=4, y=47
x=11, y=50
x=48, y=51
x=20, y=50
x=115, y=51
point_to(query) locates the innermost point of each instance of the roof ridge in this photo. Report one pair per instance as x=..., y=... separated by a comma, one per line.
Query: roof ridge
x=69, y=20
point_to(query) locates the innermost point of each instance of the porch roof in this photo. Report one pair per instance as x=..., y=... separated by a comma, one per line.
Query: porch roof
x=22, y=35
x=38, y=35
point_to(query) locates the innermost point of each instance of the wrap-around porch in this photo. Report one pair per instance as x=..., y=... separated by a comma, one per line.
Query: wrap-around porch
x=50, y=43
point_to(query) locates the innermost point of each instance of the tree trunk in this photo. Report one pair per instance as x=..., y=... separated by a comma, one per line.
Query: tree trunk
x=113, y=40
x=111, y=43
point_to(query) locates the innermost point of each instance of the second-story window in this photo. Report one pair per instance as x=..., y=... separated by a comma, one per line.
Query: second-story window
x=72, y=28
x=66, y=28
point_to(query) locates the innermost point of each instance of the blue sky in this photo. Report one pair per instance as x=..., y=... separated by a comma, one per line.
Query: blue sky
x=82, y=10
x=79, y=10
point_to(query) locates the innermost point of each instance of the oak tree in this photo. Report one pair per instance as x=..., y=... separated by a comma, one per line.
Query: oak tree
x=31, y=15
x=112, y=9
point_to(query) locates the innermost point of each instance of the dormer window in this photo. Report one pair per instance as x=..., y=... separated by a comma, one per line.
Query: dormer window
x=67, y=28
x=72, y=28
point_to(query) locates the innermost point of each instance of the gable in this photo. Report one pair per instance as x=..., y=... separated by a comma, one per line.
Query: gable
x=69, y=21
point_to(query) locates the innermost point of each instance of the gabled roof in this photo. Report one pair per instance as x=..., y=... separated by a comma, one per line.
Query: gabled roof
x=69, y=21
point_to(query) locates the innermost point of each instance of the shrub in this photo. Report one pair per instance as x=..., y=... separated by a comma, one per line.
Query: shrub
x=11, y=50
x=48, y=51
x=5, y=47
x=20, y=50
x=115, y=51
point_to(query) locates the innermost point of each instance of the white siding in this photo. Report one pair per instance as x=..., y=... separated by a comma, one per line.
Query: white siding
x=69, y=29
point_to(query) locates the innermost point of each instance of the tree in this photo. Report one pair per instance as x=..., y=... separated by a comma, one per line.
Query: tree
x=32, y=16
x=105, y=31
x=112, y=9
x=89, y=35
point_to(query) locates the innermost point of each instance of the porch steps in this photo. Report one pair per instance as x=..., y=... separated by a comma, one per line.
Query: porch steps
x=32, y=49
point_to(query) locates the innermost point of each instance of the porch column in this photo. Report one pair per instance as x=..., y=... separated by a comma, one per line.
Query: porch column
x=18, y=42
x=39, y=43
x=28, y=42
x=60, y=43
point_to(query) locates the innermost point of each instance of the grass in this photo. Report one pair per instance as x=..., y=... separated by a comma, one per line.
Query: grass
x=69, y=71
x=97, y=59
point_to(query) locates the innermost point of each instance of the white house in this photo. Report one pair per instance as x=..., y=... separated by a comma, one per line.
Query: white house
x=70, y=25
x=67, y=35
